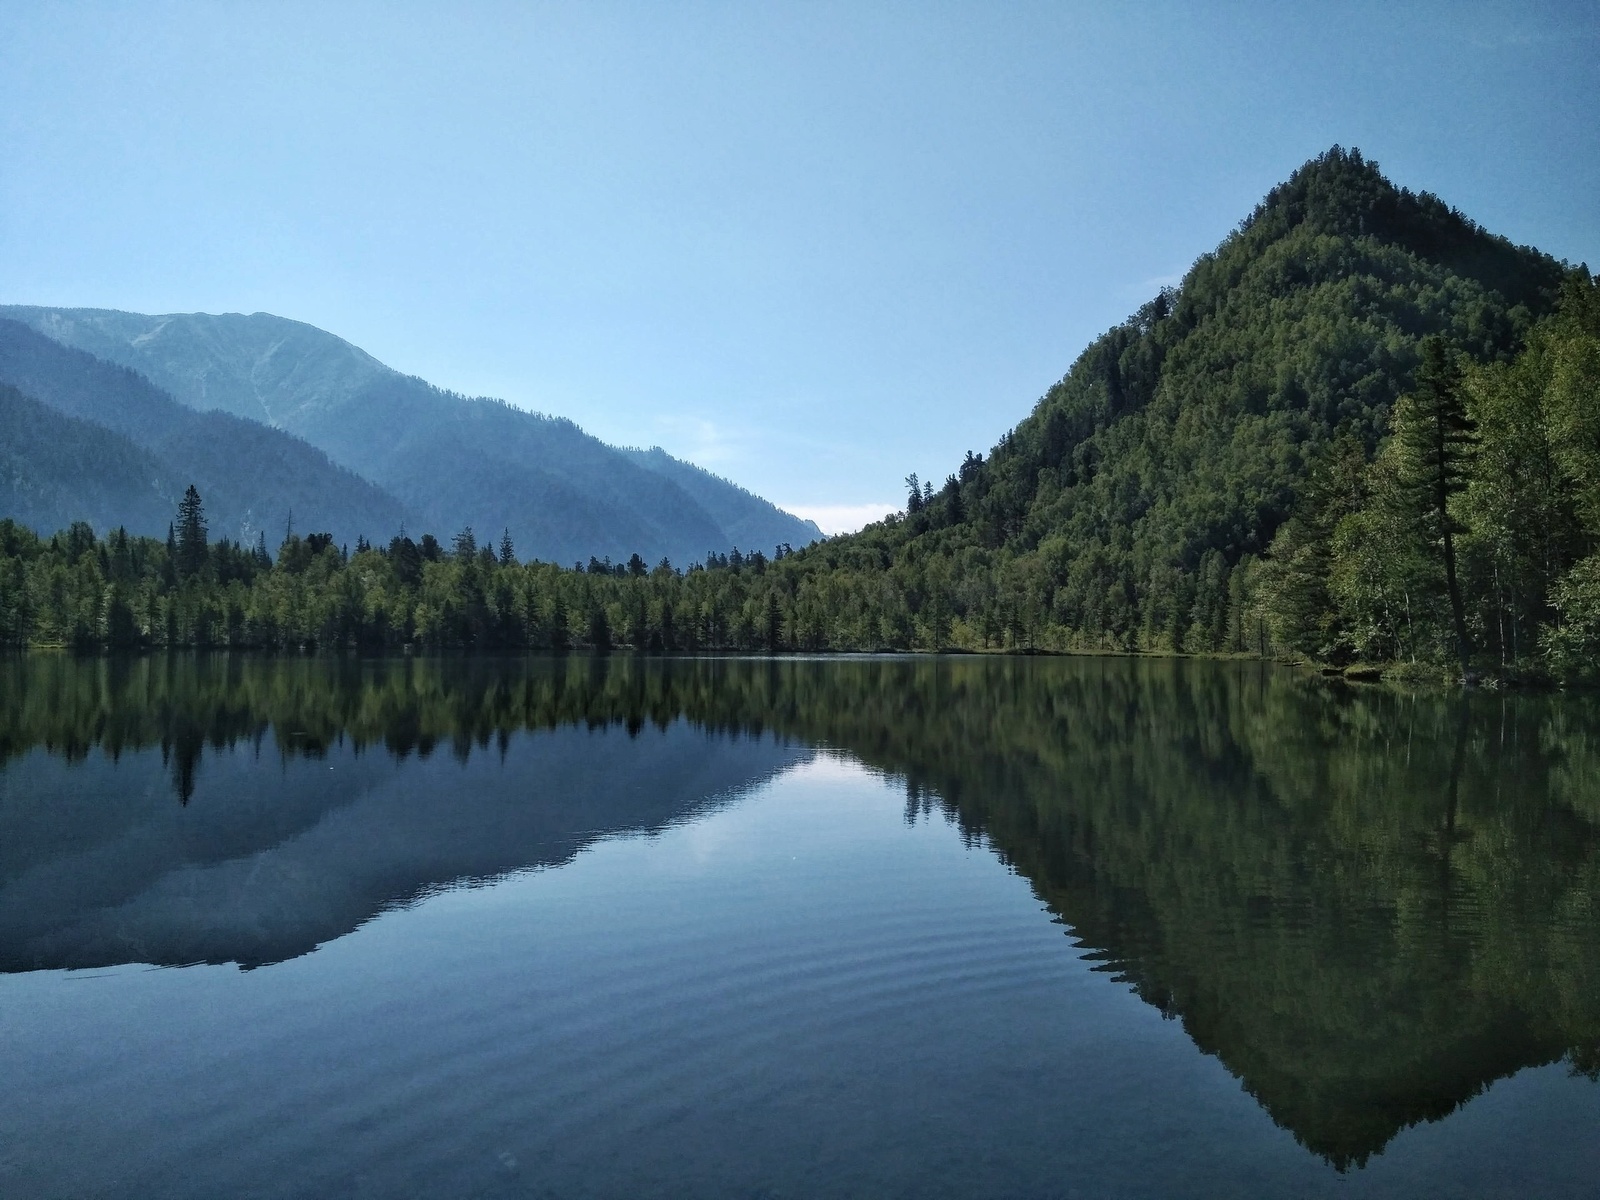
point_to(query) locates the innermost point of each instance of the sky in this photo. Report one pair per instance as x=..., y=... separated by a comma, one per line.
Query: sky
x=811, y=247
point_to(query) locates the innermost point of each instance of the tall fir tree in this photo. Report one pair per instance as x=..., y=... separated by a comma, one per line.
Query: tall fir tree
x=170, y=569
x=1439, y=437
x=191, y=531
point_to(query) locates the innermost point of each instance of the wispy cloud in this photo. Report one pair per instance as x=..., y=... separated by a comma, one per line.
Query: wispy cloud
x=1145, y=289
x=841, y=518
x=702, y=442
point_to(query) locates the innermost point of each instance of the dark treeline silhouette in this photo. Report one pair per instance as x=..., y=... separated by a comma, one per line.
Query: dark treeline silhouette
x=1368, y=905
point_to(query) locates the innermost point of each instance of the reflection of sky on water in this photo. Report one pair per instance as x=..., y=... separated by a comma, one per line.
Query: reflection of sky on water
x=794, y=990
x=607, y=935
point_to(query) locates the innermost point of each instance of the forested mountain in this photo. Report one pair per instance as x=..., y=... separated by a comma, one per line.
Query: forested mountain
x=131, y=450
x=1183, y=487
x=56, y=469
x=452, y=461
x=1363, y=429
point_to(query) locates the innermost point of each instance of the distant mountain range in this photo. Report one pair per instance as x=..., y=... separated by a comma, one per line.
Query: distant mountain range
x=268, y=416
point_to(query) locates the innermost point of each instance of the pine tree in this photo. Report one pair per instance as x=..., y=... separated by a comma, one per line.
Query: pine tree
x=774, y=623
x=1439, y=437
x=169, y=574
x=599, y=629
x=508, y=552
x=191, y=545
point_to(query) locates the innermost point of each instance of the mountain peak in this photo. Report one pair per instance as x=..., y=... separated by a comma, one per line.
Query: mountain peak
x=1343, y=194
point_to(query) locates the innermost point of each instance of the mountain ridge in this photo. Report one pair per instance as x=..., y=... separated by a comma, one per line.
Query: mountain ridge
x=1241, y=467
x=250, y=474
x=449, y=460
x=1119, y=508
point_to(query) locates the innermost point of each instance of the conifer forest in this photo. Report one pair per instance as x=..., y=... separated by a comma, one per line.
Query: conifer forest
x=1363, y=431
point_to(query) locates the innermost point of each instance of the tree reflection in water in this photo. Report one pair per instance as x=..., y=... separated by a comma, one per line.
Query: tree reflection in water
x=1368, y=905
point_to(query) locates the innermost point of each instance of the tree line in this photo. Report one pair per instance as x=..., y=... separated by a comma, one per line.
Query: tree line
x=1362, y=430
x=120, y=592
x=1468, y=536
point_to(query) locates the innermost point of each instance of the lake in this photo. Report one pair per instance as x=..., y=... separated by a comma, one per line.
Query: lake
x=877, y=927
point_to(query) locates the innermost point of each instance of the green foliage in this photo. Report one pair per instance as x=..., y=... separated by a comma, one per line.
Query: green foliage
x=1244, y=418
x=1277, y=457
x=1498, y=458
x=1573, y=643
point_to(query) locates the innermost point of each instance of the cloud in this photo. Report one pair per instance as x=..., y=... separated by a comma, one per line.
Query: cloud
x=1146, y=289
x=841, y=518
x=702, y=442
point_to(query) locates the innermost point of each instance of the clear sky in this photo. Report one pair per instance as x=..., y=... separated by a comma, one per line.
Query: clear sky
x=812, y=247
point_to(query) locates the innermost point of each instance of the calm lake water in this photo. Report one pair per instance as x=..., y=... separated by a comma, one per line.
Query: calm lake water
x=790, y=928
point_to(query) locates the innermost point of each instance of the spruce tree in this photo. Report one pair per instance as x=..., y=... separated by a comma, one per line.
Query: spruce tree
x=191, y=530
x=169, y=574
x=1439, y=437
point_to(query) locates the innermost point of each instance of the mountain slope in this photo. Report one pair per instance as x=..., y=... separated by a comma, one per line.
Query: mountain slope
x=250, y=476
x=745, y=518
x=56, y=469
x=1178, y=443
x=454, y=461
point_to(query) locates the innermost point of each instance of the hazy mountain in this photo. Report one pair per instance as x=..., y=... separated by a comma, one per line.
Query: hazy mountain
x=451, y=460
x=101, y=443
x=745, y=518
x=56, y=469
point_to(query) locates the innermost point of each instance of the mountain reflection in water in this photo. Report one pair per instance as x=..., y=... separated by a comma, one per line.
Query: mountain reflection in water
x=1367, y=905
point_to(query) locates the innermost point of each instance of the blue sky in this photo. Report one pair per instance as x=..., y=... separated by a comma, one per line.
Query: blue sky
x=812, y=247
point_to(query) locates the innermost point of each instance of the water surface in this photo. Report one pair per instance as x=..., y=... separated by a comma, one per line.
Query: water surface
x=872, y=927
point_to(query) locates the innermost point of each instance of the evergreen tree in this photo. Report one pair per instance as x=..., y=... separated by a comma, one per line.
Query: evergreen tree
x=508, y=552
x=191, y=531
x=599, y=629
x=1438, y=436
x=774, y=623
